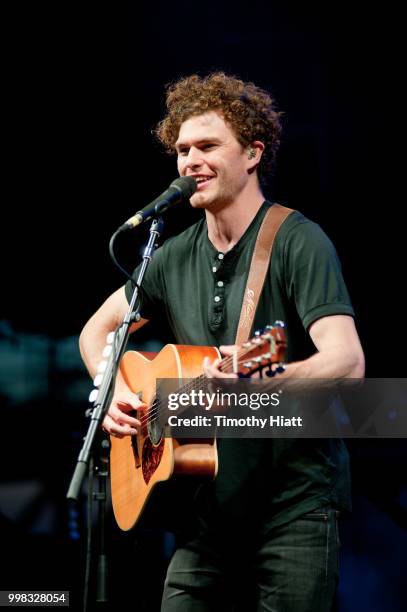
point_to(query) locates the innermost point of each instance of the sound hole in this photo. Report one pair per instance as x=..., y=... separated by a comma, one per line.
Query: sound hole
x=155, y=425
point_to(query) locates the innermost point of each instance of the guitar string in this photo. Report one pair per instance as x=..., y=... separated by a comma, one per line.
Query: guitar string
x=161, y=407
x=225, y=363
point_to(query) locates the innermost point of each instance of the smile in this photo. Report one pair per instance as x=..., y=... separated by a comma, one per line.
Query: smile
x=203, y=180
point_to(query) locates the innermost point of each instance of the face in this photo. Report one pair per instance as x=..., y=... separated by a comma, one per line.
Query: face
x=209, y=151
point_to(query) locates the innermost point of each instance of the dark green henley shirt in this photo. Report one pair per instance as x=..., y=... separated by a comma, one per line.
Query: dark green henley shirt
x=198, y=291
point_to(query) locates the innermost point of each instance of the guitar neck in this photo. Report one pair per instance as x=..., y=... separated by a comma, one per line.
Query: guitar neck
x=255, y=354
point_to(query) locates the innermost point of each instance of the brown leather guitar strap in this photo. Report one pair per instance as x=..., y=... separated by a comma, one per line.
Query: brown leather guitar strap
x=272, y=222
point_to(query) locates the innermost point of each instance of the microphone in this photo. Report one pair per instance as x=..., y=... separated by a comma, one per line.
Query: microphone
x=180, y=189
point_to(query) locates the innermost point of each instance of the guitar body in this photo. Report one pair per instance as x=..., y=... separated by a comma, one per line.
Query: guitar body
x=139, y=463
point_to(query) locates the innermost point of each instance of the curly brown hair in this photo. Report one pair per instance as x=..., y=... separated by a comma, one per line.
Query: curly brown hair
x=248, y=109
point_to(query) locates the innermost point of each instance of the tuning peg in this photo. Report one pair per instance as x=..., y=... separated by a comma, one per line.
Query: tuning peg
x=279, y=323
x=110, y=337
x=258, y=332
x=279, y=370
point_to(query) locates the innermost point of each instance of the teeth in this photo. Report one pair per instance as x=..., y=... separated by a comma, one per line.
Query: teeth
x=201, y=179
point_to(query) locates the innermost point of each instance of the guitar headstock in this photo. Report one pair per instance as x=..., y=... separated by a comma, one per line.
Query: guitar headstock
x=266, y=348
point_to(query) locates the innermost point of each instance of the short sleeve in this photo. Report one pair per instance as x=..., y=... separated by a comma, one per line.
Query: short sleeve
x=313, y=274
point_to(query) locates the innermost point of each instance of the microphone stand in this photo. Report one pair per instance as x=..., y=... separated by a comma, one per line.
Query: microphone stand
x=102, y=471
x=102, y=397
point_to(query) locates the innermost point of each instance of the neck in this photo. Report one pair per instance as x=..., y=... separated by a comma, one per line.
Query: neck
x=228, y=224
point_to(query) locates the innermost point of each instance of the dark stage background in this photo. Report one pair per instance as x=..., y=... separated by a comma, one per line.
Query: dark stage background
x=83, y=88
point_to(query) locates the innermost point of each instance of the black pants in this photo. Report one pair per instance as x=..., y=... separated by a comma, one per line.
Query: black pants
x=293, y=569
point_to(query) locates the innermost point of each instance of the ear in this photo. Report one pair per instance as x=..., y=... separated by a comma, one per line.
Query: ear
x=254, y=153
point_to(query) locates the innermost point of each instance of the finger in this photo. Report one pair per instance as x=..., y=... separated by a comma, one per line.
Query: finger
x=121, y=430
x=206, y=365
x=116, y=429
x=129, y=401
x=211, y=369
x=108, y=427
x=117, y=414
x=228, y=349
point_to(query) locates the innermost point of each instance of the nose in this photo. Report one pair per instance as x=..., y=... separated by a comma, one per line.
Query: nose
x=193, y=160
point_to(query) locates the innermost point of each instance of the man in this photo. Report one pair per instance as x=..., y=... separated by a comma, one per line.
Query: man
x=265, y=535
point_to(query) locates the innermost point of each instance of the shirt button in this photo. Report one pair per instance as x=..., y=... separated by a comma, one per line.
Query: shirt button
x=220, y=255
x=216, y=298
x=220, y=283
x=214, y=269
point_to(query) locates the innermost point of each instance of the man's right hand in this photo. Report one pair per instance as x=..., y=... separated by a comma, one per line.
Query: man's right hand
x=119, y=421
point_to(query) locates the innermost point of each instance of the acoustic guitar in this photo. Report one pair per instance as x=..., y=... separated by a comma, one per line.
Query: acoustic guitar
x=138, y=463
